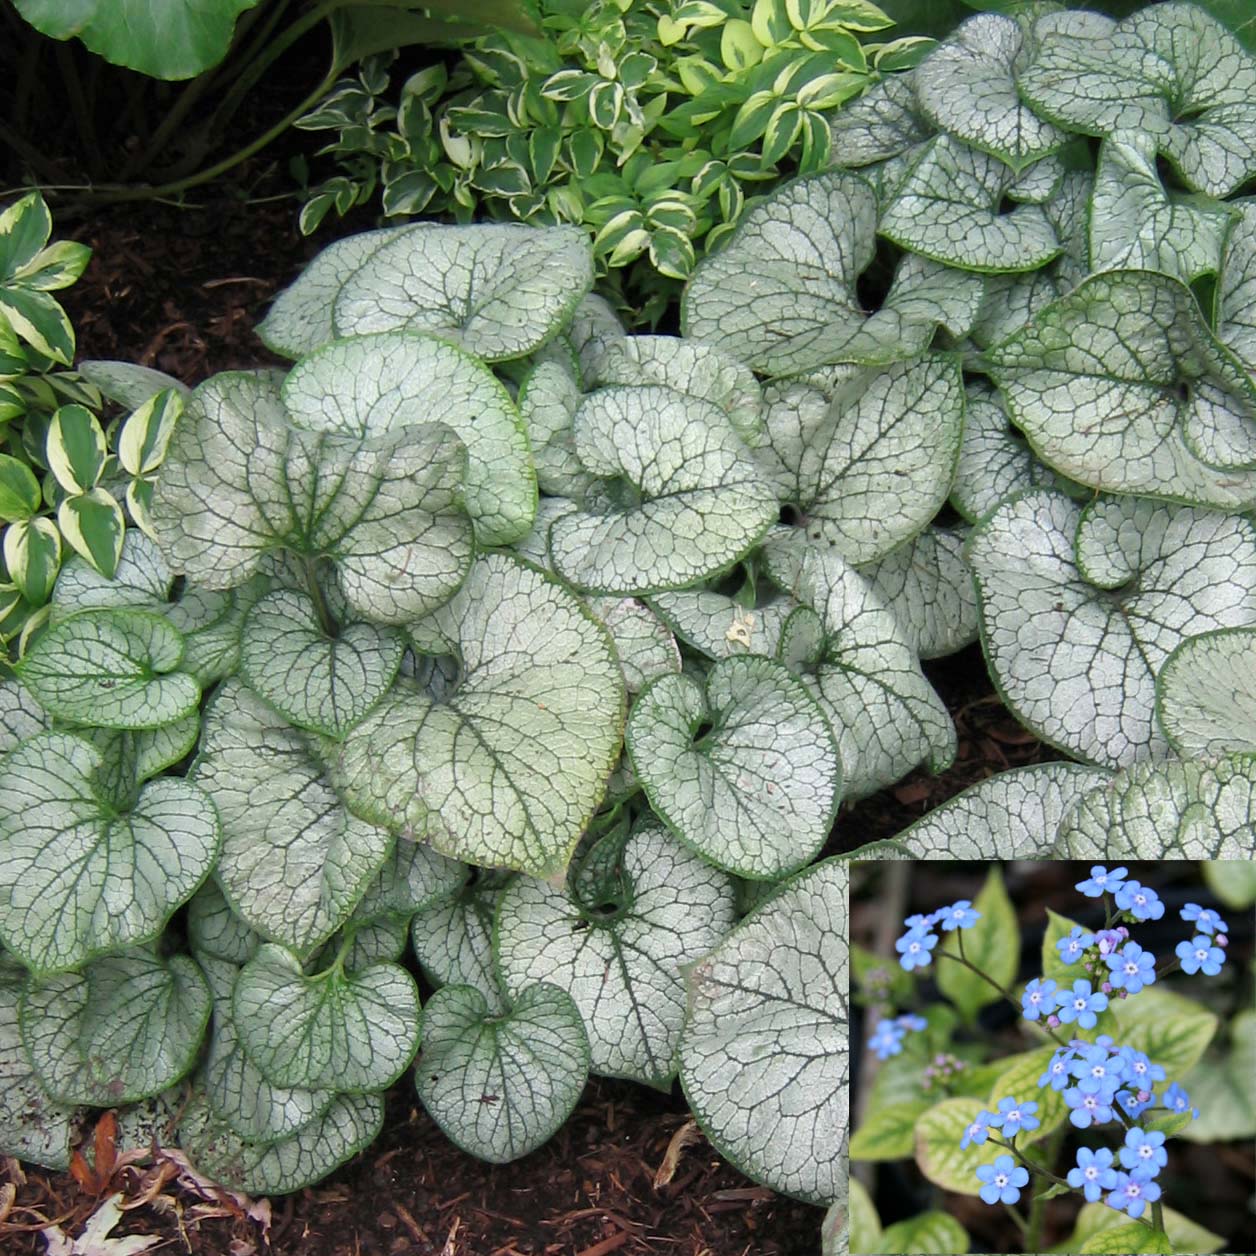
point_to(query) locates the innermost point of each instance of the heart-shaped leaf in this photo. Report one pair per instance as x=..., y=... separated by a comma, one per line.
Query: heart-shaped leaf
x=883, y=122
x=1222, y=1088
x=938, y=1153
x=501, y=1085
x=720, y=626
x=1205, y=694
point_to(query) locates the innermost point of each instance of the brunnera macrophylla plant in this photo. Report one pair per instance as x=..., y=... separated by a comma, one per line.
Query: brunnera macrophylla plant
x=1114, y=1050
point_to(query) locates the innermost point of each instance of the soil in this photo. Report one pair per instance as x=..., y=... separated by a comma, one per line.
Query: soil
x=180, y=289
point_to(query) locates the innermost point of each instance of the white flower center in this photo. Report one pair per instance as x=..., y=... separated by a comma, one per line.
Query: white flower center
x=1131, y=968
x=1201, y=956
x=1092, y=1171
x=1080, y=1004
x=1000, y=1180
x=1133, y=1190
x=1145, y=1151
x=1140, y=899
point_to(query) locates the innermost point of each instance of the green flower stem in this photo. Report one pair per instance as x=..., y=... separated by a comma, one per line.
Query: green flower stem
x=1028, y=1164
x=1038, y=1205
x=1021, y=1223
x=1157, y=1215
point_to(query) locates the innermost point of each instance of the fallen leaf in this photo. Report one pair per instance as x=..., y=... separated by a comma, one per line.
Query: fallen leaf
x=682, y=1138
x=95, y=1240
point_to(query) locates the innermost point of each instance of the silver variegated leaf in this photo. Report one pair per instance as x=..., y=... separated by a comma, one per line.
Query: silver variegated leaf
x=645, y=646
x=414, y=878
x=1235, y=310
x=548, y=400
x=214, y=930
x=720, y=626
x=1206, y=694
x=881, y=123
x=20, y=715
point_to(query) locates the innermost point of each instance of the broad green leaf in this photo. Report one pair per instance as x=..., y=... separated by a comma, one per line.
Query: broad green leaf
x=111, y=668
x=646, y=649
x=1129, y=1238
x=331, y=1030
x=370, y=386
x=863, y=1234
x=501, y=1085
x=75, y=448
x=1223, y=1088
x=78, y=878
x=1184, y=1234
x=967, y=86
x=165, y=39
x=1234, y=315
x=1020, y=1082
x=889, y=1132
x=235, y=1088
x=866, y=457
x=884, y=713
x=1199, y=809
x=94, y=526
x=928, y=585
x=692, y=501
x=129, y=384
x=1171, y=1030
x=321, y=683
x=33, y=1126
x=548, y=400
x=938, y=1153
x=1206, y=694
x=1233, y=883
x=1121, y=385
x=1173, y=1123
x=216, y=932
x=1136, y=225
x=32, y=554
x=620, y=961
x=37, y=319
x=508, y=770
x=241, y=481
x=932, y=1231
x=757, y=794
x=764, y=1058
x=300, y=320
x=278, y=1168
x=1081, y=607
x=498, y=290
x=453, y=941
x=20, y=715
x=19, y=490
x=1170, y=71
x=1054, y=967
x=992, y=945
x=121, y=1029
x=947, y=209
x=294, y=862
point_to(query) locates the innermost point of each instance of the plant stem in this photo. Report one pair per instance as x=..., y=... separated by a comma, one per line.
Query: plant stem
x=326, y=620
x=79, y=108
x=962, y=959
x=1038, y=1205
x=1028, y=1164
x=1020, y=1221
x=1157, y=1215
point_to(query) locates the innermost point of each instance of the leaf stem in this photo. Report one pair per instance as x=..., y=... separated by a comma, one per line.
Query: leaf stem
x=962, y=959
x=1028, y=1164
x=327, y=621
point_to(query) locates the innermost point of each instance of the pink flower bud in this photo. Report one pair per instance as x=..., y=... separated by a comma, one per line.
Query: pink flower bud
x=1144, y=1095
x=1104, y=946
x=1123, y=931
x=1054, y=1021
x=1106, y=987
x=1221, y=940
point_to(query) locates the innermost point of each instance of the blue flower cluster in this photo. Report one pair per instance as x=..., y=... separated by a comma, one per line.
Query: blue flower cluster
x=1096, y=1077
x=887, y=1038
x=916, y=945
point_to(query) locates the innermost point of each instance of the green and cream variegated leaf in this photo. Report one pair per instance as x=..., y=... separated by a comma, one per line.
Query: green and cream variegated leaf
x=666, y=908
x=644, y=644
x=370, y=386
x=764, y=1055
x=1171, y=71
x=967, y=87
x=111, y=668
x=121, y=1029
x=78, y=877
x=1197, y=809
x=240, y=481
x=129, y=384
x=294, y=862
x=938, y=1153
x=756, y=795
x=501, y=1085
x=321, y=683
x=1206, y=694
x=333, y=1030
x=279, y=1168
x=1135, y=224
x=508, y=770
x=693, y=503
x=1223, y=1088
x=499, y=290
x=947, y=209
x=1081, y=607
x=1097, y=1220
x=1234, y=315
x=934, y=1231
x=216, y=931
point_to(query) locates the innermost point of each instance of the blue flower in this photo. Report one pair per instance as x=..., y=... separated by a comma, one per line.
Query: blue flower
x=1129, y=1103
x=1199, y=955
x=1109, y=940
x=1101, y=881
x=1144, y=1150
x=909, y=1022
x=1038, y=998
x=1003, y=1180
x=914, y=947
x=1097, y=1071
x=1073, y=946
x=1177, y=1100
x=1088, y=1107
x=886, y=1040
x=1206, y=920
x=1017, y=1116
x=1132, y=968
x=1141, y=903
x=1140, y=1072
x=1080, y=1004
x=1094, y=1173
x=1133, y=1192
x=978, y=1130
x=958, y=915
x=1057, y=1075
x=921, y=923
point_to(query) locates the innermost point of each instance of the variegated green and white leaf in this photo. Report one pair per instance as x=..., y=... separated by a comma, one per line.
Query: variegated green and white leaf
x=1171, y=71
x=509, y=769
x=413, y=879
x=501, y=1085
x=93, y=525
x=145, y=435
x=111, y=668
x=947, y=209
x=129, y=384
x=1235, y=310
x=1080, y=609
x=645, y=646
x=370, y=386
x=333, y=1030
x=79, y=877
x=967, y=87
x=20, y=715
x=764, y=1061
x=499, y=290
x=882, y=123
x=594, y=327
x=216, y=931
x=321, y=683
x=121, y=1029
x=548, y=400
x=1206, y=694
x=693, y=502
x=757, y=794
x=294, y=862
x=664, y=909
x=1196, y=809
x=720, y=626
